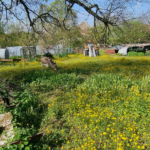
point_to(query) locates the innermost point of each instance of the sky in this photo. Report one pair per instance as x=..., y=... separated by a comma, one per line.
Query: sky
x=138, y=8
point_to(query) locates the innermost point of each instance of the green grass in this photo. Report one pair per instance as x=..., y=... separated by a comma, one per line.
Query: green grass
x=89, y=103
x=15, y=57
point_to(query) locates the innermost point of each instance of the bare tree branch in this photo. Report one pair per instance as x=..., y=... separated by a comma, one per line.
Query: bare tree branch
x=108, y=12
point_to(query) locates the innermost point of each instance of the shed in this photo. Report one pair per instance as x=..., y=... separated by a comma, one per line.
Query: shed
x=4, y=54
x=123, y=51
x=14, y=50
x=28, y=51
x=111, y=51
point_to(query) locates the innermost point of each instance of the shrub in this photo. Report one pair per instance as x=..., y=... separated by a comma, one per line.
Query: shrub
x=136, y=53
x=132, y=54
x=63, y=55
x=140, y=54
x=32, y=59
x=102, y=52
x=39, y=56
x=147, y=54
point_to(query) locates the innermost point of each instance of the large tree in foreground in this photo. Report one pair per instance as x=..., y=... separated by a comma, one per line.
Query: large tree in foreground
x=108, y=12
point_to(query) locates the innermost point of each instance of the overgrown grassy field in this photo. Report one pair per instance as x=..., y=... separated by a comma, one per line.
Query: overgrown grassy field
x=89, y=103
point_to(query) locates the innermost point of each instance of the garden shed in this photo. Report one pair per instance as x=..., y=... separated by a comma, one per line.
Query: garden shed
x=28, y=51
x=111, y=51
x=4, y=54
x=14, y=50
x=123, y=51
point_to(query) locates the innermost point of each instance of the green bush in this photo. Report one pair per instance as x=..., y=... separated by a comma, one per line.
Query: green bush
x=132, y=54
x=147, y=54
x=32, y=59
x=63, y=55
x=135, y=53
x=140, y=54
x=102, y=52
x=39, y=56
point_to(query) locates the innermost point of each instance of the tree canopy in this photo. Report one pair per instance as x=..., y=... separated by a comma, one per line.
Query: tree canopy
x=47, y=16
x=109, y=12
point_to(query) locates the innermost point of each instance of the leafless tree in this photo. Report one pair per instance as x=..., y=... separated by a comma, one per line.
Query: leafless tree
x=145, y=17
x=108, y=12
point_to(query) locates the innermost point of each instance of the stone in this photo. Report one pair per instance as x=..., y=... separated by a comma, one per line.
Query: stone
x=5, y=119
x=5, y=122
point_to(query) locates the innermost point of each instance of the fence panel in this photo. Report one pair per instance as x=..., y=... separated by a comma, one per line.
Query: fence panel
x=55, y=50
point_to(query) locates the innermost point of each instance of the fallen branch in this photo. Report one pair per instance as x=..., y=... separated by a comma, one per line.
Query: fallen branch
x=31, y=138
x=8, y=106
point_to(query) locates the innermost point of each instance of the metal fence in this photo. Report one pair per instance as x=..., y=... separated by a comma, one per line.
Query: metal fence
x=57, y=50
x=63, y=51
